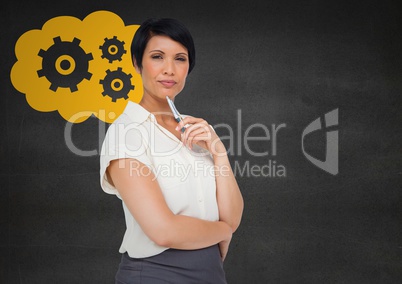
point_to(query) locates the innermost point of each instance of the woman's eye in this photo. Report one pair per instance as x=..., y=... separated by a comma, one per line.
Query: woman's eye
x=156, y=56
x=181, y=59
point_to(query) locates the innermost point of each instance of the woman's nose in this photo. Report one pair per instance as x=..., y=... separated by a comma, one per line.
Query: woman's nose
x=168, y=67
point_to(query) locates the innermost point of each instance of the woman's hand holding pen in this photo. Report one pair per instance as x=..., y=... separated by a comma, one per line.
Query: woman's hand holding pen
x=200, y=133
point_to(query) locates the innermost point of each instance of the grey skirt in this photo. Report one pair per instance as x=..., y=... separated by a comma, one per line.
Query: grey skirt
x=174, y=266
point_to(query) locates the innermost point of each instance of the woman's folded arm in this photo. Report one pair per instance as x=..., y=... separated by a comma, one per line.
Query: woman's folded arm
x=143, y=197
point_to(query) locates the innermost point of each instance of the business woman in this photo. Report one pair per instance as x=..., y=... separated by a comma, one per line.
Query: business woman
x=180, y=198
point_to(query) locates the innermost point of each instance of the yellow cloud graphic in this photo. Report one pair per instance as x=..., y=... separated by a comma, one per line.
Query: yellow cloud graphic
x=79, y=68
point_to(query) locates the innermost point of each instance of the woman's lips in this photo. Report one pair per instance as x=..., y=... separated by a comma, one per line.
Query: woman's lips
x=167, y=83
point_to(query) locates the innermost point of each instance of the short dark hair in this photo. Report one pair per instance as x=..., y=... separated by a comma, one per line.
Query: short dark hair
x=164, y=26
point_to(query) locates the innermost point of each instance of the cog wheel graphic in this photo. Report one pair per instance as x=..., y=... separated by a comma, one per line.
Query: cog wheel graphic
x=113, y=49
x=116, y=84
x=65, y=64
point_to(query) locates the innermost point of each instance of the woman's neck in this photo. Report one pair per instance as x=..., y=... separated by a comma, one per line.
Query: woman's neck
x=159, y=108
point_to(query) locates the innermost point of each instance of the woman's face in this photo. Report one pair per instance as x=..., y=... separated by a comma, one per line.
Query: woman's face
x=165, y=65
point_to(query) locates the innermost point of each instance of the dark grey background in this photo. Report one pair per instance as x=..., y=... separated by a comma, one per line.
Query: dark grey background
x=279, y=62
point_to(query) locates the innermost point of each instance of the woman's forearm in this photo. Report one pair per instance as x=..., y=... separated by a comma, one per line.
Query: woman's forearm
x=229, y=197
x=183, y=232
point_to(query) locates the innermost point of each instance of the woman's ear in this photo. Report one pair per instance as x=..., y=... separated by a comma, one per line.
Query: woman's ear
x=137, y=69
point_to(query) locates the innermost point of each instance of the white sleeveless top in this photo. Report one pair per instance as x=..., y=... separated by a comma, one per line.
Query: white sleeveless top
x=186, y=177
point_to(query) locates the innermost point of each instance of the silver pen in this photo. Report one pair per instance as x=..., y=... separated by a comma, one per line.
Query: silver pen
x=175, y=112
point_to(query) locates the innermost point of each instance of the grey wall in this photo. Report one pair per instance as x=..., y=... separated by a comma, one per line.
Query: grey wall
x=278, y=62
